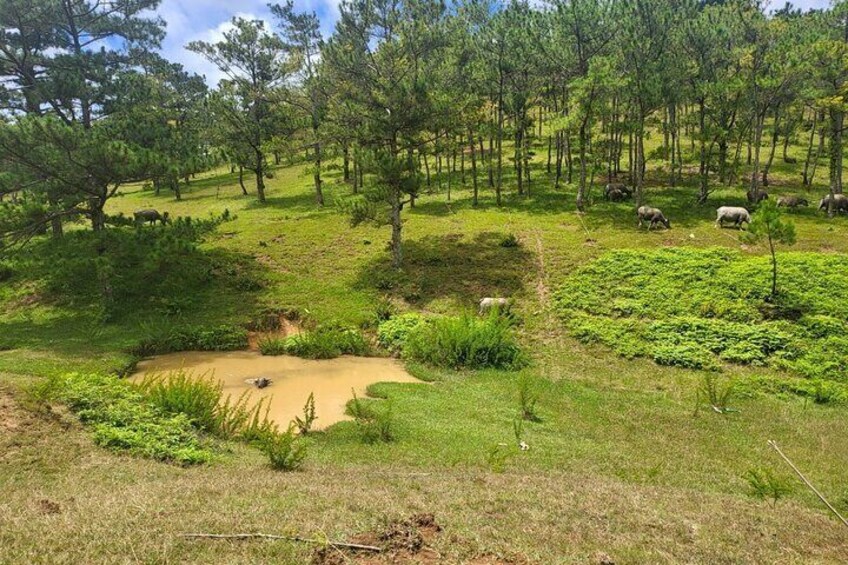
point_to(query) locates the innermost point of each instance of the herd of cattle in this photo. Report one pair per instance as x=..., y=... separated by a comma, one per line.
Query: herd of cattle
x=617, y=192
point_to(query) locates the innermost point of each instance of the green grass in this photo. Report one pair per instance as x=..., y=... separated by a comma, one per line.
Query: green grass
x=619, y=462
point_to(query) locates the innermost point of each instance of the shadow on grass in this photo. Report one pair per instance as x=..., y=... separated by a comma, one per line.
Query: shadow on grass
x=449, y=266
x=99, y=292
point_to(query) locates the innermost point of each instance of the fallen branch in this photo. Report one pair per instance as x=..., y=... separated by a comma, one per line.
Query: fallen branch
x=773, y=444
x=336, y=544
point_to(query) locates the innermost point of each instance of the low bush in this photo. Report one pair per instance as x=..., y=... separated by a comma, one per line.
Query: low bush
x=285, y=450
x=123, y=419
x=393, y=333
x=221, y=338
x=272, y=345
x=765, y=485
x=326, y=342
x=202, y=401
x=466, y=342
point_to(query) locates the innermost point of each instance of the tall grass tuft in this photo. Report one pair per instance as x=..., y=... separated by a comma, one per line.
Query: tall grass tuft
x=272, y=345
x=527, y=399
x=764, y=484
x=466, y=342
x=374, y=425
x=716, y=395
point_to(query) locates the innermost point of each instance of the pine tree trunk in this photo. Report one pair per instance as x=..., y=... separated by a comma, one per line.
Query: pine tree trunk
x=474, y=200
x=260, y=175
x=755, y=173
x=837, y=120
x=316, y=174
x=241, y=180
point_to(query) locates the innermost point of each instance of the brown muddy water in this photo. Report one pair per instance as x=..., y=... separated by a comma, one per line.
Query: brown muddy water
x=292, y=379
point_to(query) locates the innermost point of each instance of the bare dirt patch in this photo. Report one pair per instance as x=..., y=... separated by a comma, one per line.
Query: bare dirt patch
x=47, y=506
x=11, y=415
x=405, y=541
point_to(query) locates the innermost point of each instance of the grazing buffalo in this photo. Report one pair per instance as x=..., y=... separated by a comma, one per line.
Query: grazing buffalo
x=150, y=216
x=617, y=191
x=840, y=202
x=792, y=201
x=757, y=197
x=652, y=216
x=733, y=214
x=487, y=304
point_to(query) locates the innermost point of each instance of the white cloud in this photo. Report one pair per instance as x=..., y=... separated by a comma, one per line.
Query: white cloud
x=207, y=20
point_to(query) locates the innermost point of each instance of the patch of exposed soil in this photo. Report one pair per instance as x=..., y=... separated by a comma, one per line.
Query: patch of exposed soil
x=46, y=506
x=11, y=415
x=402, y=542
x=275, y=324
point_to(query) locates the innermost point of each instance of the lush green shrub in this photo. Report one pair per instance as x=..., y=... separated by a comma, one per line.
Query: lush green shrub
x=285, y=450
x=326, y=342
x=202, y=401
x=221, y=338
x=272, y=345
x=123, y=419
x=465, y=342
x=393, y=333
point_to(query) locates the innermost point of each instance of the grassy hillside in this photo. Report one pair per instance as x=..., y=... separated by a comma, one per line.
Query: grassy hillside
x=621, y=464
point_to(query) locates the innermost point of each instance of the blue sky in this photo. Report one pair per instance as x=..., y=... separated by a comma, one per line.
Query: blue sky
x=190, y=20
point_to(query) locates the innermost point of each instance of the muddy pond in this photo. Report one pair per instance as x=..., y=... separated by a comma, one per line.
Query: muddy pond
x=292, y=379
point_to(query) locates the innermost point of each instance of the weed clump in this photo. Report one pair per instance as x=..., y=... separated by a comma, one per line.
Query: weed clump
x=510, y=240
x=466, y=342
x=304, y=425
